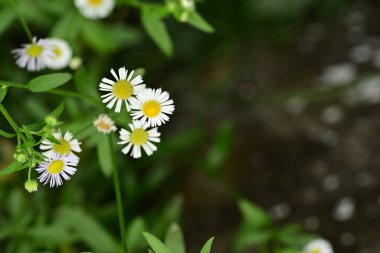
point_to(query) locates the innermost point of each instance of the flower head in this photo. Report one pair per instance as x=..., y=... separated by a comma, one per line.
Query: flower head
x=152, y=106
x=123, y=89
x=95, y=9
x=31, y=185
x=139, y=136
x=56, y=167
x=104, y=124
x=318, y=246
x=32, y=56
x=61, y=54
x=67, y=145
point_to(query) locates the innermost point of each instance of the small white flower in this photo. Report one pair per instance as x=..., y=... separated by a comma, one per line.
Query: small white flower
x=104, y=124
x=62, y=54
x=318, y=246
x=75, y=63
x=32, y=56
x=122, y=89
x=152, y=106
x=139, y=137
x=67, y=145
x=56, y=167
x=95, y=9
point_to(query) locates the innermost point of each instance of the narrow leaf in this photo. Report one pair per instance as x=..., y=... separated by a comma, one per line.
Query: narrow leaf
x=6, y=135
x=48, y=82
x=104, y=154
x=155, y=27
x=13, y=167
x=3, y=92
x=156, y=245
x=7, y=16
x=207, y=247
x=174, y=239
x=197, y=21
x=253, y=214
x=134, y=234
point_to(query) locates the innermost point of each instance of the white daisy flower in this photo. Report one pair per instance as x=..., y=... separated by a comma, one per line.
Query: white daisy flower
x=139, y=137
x=95, y=9
x=152, y=106
x=122, y=89
x=62, y=54
x=67, y=145
x=318, y=246
x=32, y=56
x=105, y=124
x=56, y=167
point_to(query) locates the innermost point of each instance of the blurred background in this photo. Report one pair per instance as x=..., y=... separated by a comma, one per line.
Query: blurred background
x=280, y=105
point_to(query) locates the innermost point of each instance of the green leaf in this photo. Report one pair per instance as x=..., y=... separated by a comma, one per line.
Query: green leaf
x=197, y=21
x=152, y=21
x=58, y=111
x=221, y=146
x=7, y=17
x=207, y=247
x=104, y=153
x=13, y=167
x=134, y=234
x=28, y=135
x=48, y=82
x=87, y=229
x=98, y=36
x=292, y=235
x=169, y=216
x=252, y=238
x=156, y=245
x=253, y=214
x=3, y=91
x=67, y=27
x=6, y=135
x=174, y=239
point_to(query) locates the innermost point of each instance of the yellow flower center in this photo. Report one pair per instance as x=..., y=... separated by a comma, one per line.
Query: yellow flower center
x=63, y=148
x=94, y=2
x=315, y=251
x=58, y=52
x=56, y=167
x=34, y=50
x=151, y=108
x=103, y=125
x=139, y=136
x=122, y=89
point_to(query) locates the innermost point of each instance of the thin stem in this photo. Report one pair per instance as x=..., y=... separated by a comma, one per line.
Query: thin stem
x=22, y=21
x=56, y=92
x=119, y=202
x=10, y=119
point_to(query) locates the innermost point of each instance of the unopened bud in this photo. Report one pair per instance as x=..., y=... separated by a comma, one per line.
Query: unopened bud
x=51, y=120
x=75, y=63
x=20, y=157
x=31, y=185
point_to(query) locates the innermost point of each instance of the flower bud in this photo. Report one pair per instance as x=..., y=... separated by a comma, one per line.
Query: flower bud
x=51, y=120
x=20, y=157
x=31, y=185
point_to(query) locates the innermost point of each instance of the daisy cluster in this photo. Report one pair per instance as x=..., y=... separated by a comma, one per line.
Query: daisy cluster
x=50, y=53
x=149, y=108
x=60, y=160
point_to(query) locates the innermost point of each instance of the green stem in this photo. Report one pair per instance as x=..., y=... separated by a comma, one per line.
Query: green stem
x=22, y=21
x=56, y=92
x=119, y=202
x=10, y=120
